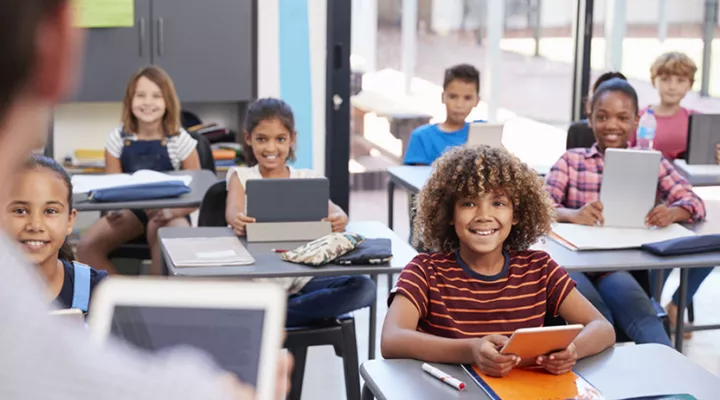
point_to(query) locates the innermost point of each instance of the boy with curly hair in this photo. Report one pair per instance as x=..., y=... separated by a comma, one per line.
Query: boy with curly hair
x=479, y=212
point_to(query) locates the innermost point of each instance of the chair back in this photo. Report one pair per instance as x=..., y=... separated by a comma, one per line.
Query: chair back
x=207, y=161
x=212, y=209
x=579, y=135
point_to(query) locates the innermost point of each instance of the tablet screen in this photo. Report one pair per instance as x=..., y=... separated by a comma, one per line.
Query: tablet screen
x=233, y=337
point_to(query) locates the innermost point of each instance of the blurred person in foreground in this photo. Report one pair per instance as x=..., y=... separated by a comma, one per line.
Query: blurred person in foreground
x=41, y=51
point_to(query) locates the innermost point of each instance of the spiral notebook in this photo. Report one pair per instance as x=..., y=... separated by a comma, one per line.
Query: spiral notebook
x=207, y=252
x=533, y=383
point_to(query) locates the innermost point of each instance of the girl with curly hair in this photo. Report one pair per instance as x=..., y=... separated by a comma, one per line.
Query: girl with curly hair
x=479, y=212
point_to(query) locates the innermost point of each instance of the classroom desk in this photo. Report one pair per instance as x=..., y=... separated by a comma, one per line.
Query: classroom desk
x=634, y=259
x=201, y=182
x=699, y=175
x=269, y=264
x=622, y=372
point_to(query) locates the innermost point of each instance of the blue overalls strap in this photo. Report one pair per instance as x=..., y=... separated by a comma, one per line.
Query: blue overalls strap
x=81, y=289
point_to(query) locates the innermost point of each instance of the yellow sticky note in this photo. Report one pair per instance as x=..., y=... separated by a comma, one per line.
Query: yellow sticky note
x=104, y=13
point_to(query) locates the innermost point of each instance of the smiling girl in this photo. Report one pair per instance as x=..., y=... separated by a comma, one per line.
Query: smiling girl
x=270, y=139
x=40, y=215
x=574, y=185
x=150, y=137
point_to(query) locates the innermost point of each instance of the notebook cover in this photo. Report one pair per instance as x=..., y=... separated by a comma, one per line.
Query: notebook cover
x=533, y=383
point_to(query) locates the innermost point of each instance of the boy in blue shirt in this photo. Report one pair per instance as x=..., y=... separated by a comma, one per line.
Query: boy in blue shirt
x=461, y=93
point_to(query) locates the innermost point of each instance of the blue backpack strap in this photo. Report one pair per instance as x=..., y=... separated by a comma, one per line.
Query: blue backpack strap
x=81, y=289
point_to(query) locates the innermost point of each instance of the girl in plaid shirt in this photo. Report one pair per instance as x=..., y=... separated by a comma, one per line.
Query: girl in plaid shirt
x=574, y=185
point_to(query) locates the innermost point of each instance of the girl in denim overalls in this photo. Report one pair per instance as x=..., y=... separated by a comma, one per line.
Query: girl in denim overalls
x=150, y=137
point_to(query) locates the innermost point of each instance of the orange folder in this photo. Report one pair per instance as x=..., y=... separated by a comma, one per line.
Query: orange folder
x=534, y=383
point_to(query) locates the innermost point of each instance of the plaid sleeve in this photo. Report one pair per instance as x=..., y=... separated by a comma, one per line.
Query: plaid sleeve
x=556, y=181
x=676, y=191
x=559, y=285
x=413, y=284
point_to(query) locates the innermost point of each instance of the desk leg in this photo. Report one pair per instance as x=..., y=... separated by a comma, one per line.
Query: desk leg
x=391, y=214
x=367, y=393
x=391, y=203
x=372, y=326
x=680, y=328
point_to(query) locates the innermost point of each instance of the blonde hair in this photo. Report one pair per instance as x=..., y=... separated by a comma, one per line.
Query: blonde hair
x=673, y=63
x=171, y=119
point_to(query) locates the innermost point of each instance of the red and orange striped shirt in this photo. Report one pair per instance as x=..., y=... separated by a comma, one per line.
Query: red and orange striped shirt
x=456, y=302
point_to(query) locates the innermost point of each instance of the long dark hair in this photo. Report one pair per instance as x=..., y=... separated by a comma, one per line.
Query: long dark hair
x=262, y=110
x=41, y=162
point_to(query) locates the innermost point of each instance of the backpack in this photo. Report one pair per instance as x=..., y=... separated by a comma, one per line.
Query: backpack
x=81, y=288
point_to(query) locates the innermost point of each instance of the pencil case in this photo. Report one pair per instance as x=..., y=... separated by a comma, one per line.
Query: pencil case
x=684, y=245
x=324, y=250
x=368, y=252
x=144, y=191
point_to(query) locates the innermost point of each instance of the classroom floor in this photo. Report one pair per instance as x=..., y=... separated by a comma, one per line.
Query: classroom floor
x=324, y=375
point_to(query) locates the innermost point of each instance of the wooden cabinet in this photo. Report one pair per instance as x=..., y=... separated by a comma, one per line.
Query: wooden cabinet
x=207, y=48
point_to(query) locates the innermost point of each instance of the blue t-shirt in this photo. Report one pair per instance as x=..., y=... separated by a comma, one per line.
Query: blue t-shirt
x=427, y=143
x=65, y=297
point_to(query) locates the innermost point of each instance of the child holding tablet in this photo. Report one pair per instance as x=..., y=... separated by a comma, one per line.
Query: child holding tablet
x=150, y=137
x=270, y=138
x=40, y=215
x=479, y=212
x=574, y=185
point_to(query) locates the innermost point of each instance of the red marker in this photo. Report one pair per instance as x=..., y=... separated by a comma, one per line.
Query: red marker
x=457, y=384
x=279, y=251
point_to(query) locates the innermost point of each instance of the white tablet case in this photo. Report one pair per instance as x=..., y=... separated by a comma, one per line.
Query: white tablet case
x=629, y=186
x=484, y=133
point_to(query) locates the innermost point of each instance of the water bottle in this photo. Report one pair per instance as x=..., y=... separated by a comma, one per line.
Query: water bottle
x=646, y=130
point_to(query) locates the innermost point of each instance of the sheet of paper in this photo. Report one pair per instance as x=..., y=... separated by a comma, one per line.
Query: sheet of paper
x=207, y=252
x=583, y=237
x=86, y=183
x=104, y=13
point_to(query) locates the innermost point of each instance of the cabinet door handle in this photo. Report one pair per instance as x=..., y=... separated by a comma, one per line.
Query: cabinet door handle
x=160, y=36
x=141, y=28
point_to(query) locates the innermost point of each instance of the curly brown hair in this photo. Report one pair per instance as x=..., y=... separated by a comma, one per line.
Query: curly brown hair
x=472, y=171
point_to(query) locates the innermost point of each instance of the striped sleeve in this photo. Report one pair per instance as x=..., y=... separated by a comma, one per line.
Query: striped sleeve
x=413, y=283
x=559, y=285
x=114, y=143
x=185, y=144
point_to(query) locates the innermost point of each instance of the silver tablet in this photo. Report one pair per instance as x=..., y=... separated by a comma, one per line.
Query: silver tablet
x=239, y=324
x=629, y=186
x=287, y=200
x=703, y=136
x=484, y=133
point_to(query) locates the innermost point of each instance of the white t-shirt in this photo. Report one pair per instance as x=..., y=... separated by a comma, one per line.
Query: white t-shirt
x=246, y=173
x=179, y=146
x=291, y=285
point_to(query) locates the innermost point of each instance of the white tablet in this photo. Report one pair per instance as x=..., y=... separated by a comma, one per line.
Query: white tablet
x=530, y=343
x=484, y=133
x=239, y=324
x=629, y=186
